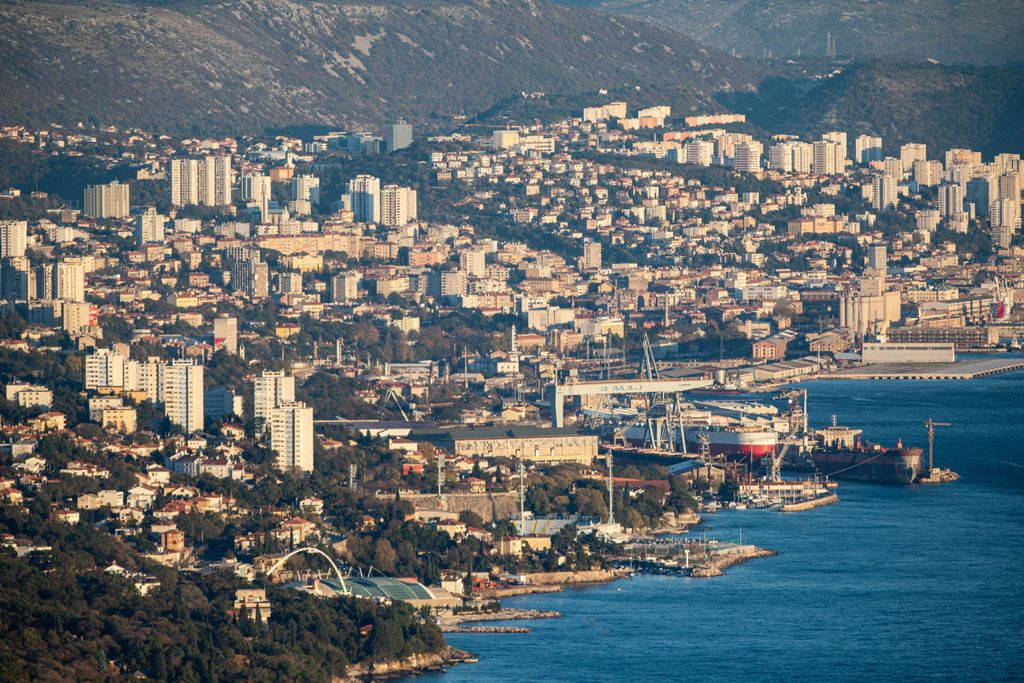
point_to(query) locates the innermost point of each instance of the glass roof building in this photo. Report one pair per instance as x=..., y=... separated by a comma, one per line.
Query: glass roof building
x=384, y=588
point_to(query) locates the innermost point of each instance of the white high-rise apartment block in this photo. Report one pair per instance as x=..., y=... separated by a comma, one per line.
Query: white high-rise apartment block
x=962, y=157
x=16, y=279
x=1006, y=221
x=829, y=158
x=270, y=390
x=13, y=238
x=289, y=283
x=364, y=193
x=149, y=227
x=725, y=145
x=69, y=280
x=397, y=135
x=699, y=152
x=892, y=166
x=225, y=330
x=503, y=139
x=884, y=192
x=256, y=189
x=345, y=288
x=591, y=255
x=803, y=156
x=306, y=188
x=397, y=205
x=107, y=201
x=747, y=157
x=838, y=137
x=182, y=388
x=1009, y=186
x=780, y=157
x=951, y=199
x=453, y=283
x=77, y=316
x=612, y=110
x=291, y=437
x=791, y=156
x=912, y=152
x=205, y=181
x=1007, y=162
x=927, y=220
x=928, y=173
x=876, y=258
x=184, y=178
x=867, y=148
x=104, y=368
x=215, y=181
x=473, y=262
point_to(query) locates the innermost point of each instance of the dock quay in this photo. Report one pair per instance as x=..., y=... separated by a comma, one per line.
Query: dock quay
x=939, y=475
x=961, y=369
x=830, y=499
x=688, y=557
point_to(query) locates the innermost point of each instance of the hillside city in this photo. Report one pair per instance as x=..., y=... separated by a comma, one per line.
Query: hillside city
x=357, y=346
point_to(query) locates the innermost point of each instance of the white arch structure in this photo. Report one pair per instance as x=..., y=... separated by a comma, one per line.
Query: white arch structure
x=316, y=551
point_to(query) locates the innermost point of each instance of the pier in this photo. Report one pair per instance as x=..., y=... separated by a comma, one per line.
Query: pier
x=830, y=499
x=961, y=369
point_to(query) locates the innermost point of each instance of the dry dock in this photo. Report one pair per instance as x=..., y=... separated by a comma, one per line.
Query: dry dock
x=961, y=369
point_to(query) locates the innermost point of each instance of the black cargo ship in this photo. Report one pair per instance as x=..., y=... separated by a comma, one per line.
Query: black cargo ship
x=898, y=465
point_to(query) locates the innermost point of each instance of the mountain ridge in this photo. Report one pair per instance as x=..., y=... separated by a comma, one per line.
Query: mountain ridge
x=949, y=31
x=245, y=66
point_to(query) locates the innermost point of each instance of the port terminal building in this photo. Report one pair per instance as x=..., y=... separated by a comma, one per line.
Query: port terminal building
x=908, y=352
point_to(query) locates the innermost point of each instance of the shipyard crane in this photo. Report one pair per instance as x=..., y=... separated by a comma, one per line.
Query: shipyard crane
x=931, y=425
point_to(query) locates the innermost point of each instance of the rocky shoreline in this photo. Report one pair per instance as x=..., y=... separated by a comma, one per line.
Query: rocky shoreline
x=400, y=668
x=487, y=629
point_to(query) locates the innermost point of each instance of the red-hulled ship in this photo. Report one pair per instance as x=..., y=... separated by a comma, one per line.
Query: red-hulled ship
x=744, y=443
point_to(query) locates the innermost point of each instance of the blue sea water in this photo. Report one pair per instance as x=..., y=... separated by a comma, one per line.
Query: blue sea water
x=892, y=583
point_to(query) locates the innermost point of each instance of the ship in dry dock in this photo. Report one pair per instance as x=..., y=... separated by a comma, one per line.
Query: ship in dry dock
x=730, y=430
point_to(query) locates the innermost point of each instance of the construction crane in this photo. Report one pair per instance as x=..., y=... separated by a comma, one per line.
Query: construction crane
x=931, y=425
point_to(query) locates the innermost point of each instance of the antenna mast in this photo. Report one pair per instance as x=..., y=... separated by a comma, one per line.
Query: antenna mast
x=611, y=491
x=440, y=473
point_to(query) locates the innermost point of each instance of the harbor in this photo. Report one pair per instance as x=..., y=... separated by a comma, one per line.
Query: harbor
x=874, y=562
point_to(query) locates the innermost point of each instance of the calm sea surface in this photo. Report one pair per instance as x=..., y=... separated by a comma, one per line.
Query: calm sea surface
x=893, y=583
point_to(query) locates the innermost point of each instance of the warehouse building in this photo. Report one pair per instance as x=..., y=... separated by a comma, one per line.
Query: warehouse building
x=536, y=444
